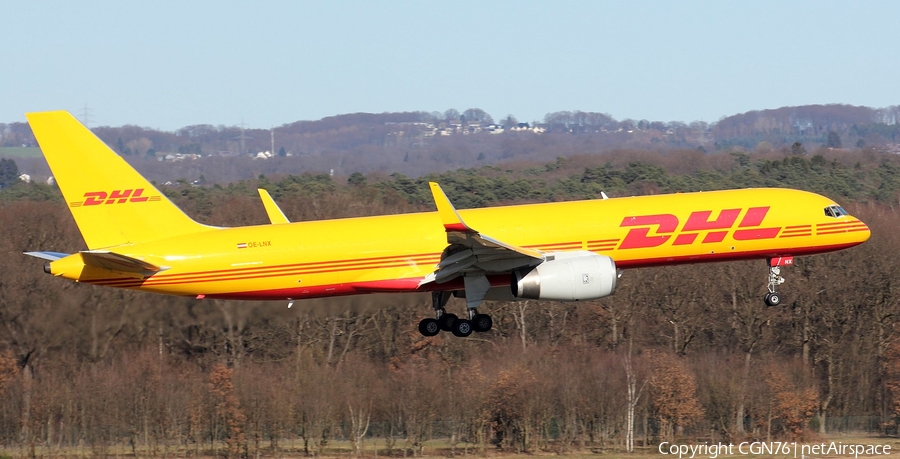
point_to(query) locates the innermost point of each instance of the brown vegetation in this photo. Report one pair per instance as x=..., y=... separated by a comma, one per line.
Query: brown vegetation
x=694, y=346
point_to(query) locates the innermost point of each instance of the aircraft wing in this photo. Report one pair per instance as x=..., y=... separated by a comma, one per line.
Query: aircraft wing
x=474, y=252
x=276, y=216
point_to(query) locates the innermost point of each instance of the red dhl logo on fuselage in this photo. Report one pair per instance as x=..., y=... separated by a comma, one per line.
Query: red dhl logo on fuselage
x=95, y=198
x=697, y=223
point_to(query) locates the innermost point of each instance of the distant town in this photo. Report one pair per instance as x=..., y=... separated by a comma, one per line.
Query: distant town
x=416, y=143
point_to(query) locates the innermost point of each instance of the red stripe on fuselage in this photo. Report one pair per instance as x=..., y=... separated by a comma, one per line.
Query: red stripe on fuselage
x=412, y=284
x=269, y=271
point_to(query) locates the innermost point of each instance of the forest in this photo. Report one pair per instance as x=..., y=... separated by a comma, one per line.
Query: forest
x=688, y=352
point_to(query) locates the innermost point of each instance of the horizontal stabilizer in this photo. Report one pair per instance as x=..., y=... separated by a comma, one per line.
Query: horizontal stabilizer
x=116, y=262
x=50, y=256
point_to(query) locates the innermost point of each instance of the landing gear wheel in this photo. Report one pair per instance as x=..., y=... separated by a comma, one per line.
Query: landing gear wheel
x=773, y=298
x=429, y=327
x=446, y=321
x=482, y=322
x=462, y=328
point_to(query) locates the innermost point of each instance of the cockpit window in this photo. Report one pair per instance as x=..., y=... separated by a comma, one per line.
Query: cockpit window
x=835, y=211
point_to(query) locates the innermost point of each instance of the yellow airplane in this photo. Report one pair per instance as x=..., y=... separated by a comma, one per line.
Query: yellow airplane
x=566, y=251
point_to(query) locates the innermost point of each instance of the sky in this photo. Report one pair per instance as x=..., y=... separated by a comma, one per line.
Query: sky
x=170, y=64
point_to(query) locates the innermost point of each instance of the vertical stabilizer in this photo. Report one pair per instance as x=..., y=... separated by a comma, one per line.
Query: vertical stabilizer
x=112, y=204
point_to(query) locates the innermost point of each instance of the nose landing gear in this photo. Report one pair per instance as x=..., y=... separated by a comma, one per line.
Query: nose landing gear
x=773, y=298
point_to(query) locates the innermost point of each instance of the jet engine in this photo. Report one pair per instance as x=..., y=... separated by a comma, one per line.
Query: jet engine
x=567, y=276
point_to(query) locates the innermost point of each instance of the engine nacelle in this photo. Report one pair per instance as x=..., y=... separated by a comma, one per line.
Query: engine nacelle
x=567, y=276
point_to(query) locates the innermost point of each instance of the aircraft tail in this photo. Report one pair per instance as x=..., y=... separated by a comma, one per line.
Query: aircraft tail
x=111, y=202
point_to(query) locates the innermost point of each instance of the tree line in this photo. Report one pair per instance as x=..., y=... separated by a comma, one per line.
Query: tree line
x=687, y=352
x=409, y=142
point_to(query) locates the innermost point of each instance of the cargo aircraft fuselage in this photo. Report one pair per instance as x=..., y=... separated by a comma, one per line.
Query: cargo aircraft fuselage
x=565, y=251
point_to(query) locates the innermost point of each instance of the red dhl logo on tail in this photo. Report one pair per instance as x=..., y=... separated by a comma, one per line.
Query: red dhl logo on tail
x=697, y=223
x=95, y=198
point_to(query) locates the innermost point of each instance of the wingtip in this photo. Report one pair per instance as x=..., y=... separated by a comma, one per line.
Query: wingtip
x=449, y=216
x=275, y=214
x=49, y=256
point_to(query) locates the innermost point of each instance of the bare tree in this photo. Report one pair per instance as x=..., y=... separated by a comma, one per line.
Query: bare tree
x=632, y=395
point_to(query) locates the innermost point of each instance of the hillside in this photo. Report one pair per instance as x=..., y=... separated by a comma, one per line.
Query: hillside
x=417, y=143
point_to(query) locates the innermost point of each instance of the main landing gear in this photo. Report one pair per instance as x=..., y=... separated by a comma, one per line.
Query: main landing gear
x=451, y=322
x=773, y=298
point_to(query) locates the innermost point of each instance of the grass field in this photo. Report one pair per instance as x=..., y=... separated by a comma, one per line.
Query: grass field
x=20, y=152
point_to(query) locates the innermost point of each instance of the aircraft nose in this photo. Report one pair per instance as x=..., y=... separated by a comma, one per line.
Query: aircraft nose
x=864, y=233
x=858, y=231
